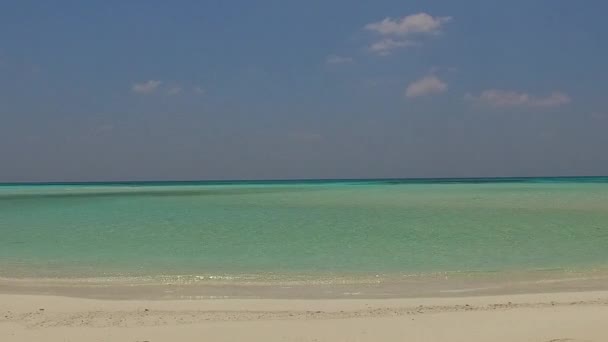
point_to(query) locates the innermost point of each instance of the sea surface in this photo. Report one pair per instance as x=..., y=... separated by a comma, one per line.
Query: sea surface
x=303, y=229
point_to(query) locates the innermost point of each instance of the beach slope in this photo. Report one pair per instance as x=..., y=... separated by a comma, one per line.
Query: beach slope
x=507, y=318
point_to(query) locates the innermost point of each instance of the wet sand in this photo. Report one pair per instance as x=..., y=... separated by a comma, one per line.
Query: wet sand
x=453, y=284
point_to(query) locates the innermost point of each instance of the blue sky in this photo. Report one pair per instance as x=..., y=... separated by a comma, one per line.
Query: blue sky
x=134, y=90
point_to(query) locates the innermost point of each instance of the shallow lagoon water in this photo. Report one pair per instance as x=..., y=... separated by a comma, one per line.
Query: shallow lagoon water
x=303, y=229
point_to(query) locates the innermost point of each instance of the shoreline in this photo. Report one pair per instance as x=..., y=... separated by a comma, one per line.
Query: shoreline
x=440, y=285
x=543, y=317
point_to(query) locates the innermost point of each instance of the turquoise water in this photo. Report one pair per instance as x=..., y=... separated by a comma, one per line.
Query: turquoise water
x=303, y=227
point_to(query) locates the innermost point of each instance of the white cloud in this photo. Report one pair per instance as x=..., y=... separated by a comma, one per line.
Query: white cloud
x=146, y=87
x=509, y=98
x=427, y=85
x=385, y=46
x=405, y=29
x=174, y=90
x=411, y=24
x=334, y=59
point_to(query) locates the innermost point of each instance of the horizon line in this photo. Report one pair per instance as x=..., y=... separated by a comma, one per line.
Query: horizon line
x=287, y=180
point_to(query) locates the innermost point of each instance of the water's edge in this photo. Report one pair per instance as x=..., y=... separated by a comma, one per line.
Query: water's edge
x=308, y=287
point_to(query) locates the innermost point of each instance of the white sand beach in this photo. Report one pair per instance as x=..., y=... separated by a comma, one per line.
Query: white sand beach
x=580, y=317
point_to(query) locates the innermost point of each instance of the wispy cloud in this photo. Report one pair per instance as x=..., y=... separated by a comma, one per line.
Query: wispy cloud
x=146, y=87
x=510, y=98
x=415, y=23
x=168, y=88
x=199, y=90
x=398, y=33
x=335, y=59
x=385, y=46
x=427, y=85
x=174, y=90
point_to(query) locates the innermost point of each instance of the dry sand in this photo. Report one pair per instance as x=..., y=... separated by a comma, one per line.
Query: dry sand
x=506, y=318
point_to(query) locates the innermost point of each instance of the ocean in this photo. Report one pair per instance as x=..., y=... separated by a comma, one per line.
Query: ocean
x=303, y=229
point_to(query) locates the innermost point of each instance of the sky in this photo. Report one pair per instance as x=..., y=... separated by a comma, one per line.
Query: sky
x=194, y=90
